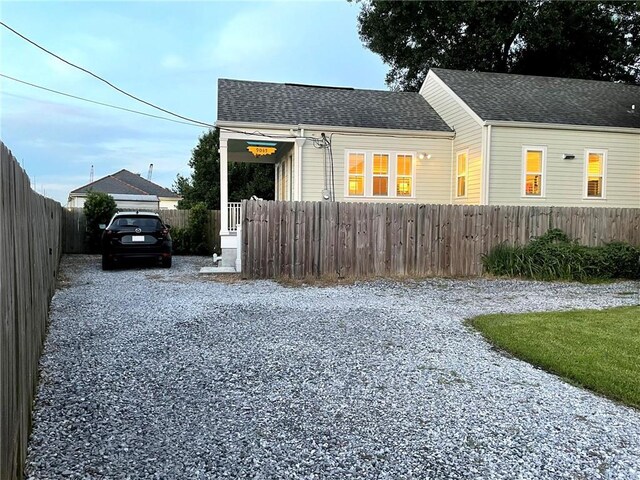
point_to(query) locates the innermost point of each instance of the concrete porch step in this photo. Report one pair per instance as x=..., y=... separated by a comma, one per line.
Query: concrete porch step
x=214, y=270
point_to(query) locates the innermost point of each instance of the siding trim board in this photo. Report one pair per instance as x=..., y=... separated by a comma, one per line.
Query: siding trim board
x=358, y=131
x=562, y=126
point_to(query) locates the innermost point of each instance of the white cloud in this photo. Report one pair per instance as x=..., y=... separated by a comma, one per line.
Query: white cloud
x=252, y=35
x=57, y=186
x=173, y=62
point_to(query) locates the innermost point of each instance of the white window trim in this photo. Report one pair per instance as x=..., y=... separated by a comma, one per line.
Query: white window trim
x=466, y=174
x=585, y=176
x=414, y=160
x=368, y=174
x=347, y=153
x=523, y=178
x=373, y=175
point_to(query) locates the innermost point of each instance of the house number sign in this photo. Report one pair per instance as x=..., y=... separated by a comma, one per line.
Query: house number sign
x=260, y=151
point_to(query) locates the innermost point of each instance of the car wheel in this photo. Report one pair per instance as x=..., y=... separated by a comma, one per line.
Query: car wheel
x=106, y=263
x=166, y=262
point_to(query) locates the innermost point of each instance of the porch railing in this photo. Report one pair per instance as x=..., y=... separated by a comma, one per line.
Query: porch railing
x=233, y=215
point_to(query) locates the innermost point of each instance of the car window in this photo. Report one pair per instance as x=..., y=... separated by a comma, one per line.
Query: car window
x=142, y=222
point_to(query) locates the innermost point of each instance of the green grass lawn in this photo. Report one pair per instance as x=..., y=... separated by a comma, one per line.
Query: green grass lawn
x=596, y=349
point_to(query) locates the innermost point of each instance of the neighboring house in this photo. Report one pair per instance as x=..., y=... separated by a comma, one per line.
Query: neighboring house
x=129, y=190
x=467, y=137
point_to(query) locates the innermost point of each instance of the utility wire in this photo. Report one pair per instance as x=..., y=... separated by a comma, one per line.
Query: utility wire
x=105, y=81
x=205, y=124
x=98, y=103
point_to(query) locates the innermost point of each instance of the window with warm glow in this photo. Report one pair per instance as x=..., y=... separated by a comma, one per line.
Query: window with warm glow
x=404, y=176
x=356, y=174
x=374, y=174
x=533, y=171
x=461, y=174
x=380, y=174
x=595, y=174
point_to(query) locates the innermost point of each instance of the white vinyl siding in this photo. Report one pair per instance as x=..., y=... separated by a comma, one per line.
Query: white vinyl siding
x=432, y=176
x=468, y=137
x=565, y=178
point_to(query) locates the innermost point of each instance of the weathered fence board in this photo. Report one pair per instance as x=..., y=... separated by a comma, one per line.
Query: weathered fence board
x=325, y=239
x=30, y=249
x=74, y=226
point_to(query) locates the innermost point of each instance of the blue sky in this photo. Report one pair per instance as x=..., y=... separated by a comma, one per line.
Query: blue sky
x=168, y=53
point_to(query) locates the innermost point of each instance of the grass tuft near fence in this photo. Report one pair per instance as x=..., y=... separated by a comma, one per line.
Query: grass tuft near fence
x=554, y=256
x=596, y=349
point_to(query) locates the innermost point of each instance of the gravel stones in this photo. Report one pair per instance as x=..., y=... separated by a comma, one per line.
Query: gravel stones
x=154, y=373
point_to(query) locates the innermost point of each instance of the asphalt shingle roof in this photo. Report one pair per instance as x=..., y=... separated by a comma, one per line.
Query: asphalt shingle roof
x=291, y=104
x=526, y=98
x=125, y=182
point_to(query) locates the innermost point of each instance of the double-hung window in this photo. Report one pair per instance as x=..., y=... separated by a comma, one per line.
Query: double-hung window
x=461, y=173
x=356, y=174
x=534, y=164
x=380, y=174
x=595, y=167
x=404, y=175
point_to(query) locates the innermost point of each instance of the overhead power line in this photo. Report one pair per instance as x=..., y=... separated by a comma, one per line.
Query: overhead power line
x=99, y=103
x=205, y=124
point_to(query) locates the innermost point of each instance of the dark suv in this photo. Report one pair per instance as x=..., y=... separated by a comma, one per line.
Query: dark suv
x=136, y=235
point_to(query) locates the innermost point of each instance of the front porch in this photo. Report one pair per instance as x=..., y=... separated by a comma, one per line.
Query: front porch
x=281, y=148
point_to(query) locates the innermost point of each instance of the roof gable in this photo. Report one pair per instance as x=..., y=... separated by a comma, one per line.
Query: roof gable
x=527, y=98
x=125, y=182
x=292, y=104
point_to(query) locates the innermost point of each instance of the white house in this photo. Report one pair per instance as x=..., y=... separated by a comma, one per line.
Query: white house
x=129, y=190
x=467, y=138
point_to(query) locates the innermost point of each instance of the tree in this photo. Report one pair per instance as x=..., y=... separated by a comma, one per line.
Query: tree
x=244, y=179
x=591, y=40
x=98, y=209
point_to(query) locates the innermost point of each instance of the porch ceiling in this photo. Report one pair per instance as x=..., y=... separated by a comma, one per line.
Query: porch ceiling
x=237, y=151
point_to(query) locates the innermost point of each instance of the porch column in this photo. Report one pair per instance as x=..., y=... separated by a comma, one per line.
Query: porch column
x=224, y=188
x=297, y=191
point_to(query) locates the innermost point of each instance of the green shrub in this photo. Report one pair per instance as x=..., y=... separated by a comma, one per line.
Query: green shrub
x=197, y=229
x=180, y=241
x=554, y=256
x=98, y=209
x=192, y=240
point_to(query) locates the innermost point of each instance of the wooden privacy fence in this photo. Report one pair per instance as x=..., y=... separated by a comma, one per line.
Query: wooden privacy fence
x=74, y=231
x=328, y=239
x=75, y=225
x=180, y=219
x=30, y=249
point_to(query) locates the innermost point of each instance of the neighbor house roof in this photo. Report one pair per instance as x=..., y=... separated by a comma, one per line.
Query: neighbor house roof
x=125, y=182
x=526, y=98
x=293, y=104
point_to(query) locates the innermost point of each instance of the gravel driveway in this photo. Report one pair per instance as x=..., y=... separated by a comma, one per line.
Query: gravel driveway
x=153, y=373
